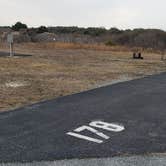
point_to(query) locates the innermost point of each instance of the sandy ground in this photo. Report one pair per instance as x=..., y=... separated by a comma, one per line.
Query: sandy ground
x=56, y=71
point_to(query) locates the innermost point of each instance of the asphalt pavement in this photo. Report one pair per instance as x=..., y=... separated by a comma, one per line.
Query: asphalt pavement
x=123, y=119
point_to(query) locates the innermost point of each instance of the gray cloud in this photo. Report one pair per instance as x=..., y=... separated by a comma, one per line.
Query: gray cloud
x=108, y=13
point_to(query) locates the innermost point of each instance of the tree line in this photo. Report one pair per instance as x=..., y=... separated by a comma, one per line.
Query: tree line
x=145, y=38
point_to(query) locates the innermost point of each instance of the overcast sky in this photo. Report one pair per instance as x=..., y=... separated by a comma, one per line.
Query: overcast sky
x=122, y=14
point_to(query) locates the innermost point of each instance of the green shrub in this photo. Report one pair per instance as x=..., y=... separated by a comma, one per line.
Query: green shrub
x=19, y=26
x=42, y=29
x=110, y=43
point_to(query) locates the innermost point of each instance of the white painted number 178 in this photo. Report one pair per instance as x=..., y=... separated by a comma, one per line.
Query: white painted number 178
x=91, y=127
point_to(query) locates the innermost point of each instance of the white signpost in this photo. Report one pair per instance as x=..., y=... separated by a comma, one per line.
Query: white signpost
x=11, y=42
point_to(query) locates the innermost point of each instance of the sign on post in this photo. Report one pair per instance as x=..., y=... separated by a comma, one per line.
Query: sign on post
x=11, y=42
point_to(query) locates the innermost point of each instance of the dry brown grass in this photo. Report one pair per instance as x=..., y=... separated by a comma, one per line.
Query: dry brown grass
x=74, y=46
x=59, y=69
x=60, y=45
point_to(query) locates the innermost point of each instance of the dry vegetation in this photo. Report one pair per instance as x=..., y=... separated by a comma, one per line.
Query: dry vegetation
x=59, y=69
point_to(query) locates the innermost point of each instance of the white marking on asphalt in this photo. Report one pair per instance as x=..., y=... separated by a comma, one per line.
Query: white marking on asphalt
x=82, y=128
x=107, y=126
x=97, y=124
x=85, y=137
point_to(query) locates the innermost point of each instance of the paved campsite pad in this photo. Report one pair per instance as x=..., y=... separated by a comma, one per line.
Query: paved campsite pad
x=6, y=54
x=38, y=132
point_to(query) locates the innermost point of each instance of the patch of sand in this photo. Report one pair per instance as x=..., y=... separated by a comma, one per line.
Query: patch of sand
x=15, y=84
